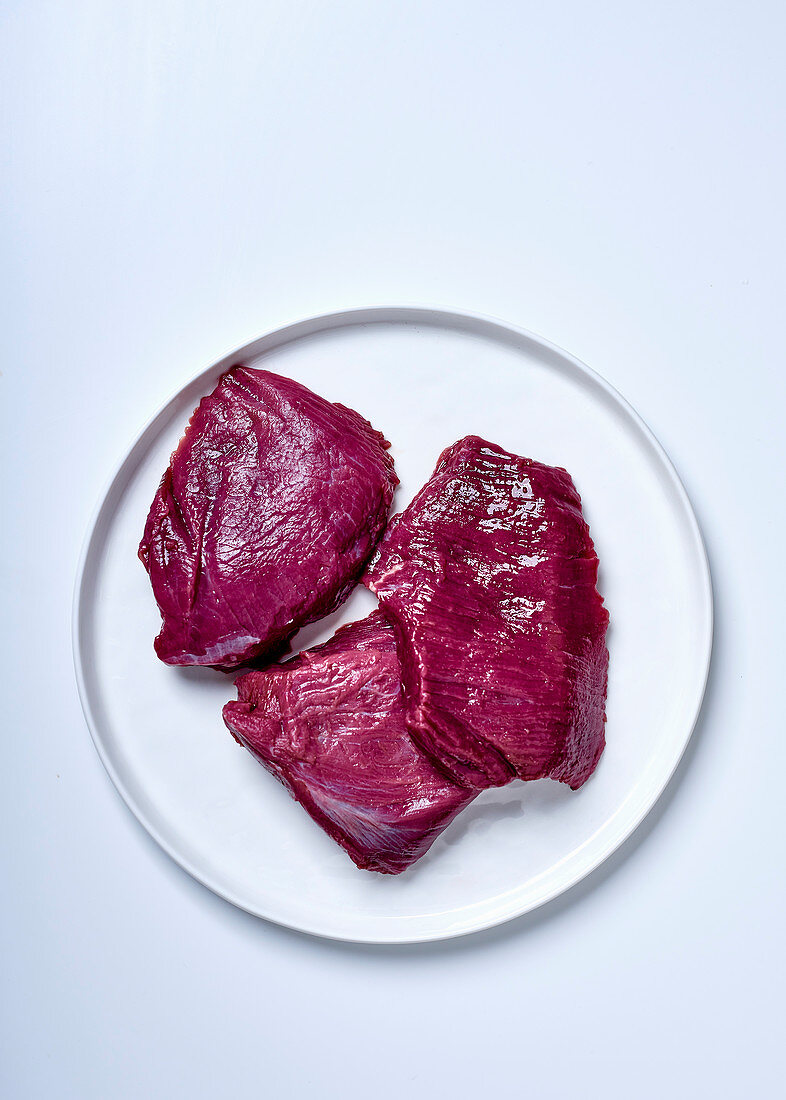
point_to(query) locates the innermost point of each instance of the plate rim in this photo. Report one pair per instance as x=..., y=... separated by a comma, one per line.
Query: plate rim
x=443, y=317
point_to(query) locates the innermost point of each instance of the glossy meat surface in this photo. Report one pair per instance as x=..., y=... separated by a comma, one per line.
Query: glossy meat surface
x=489, y=580
x=329, y=725
x=263, y=521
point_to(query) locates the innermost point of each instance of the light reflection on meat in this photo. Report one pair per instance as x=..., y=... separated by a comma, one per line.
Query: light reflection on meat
x=489, y=579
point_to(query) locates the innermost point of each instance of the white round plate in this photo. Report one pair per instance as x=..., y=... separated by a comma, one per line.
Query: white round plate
x=424, y=378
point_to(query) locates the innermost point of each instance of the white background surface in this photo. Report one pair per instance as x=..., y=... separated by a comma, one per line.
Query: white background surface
x=179, y=179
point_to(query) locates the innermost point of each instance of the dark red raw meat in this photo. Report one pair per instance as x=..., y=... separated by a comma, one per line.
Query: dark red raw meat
x=271, y=505
x=329, y=724
x=489, y=580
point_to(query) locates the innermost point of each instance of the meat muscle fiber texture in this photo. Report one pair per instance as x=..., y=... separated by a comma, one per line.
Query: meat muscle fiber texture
x=329, y=724
x=264, y=520
x=489, y=580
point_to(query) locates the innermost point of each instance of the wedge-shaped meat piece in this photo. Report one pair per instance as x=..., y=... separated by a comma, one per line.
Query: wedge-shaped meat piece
x=488, y=579
x=329, y=724
x=271, y=505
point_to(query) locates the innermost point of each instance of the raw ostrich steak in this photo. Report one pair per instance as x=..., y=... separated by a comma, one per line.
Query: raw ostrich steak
x=489, y=581
x=329, y=724
x=263, y=521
